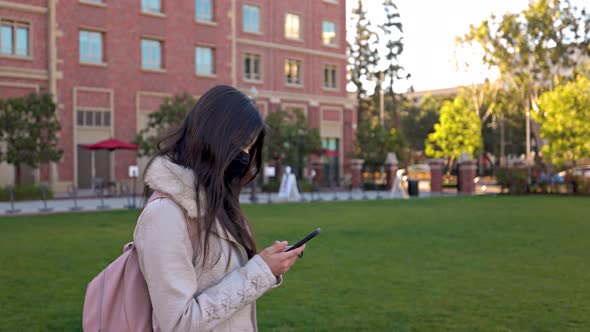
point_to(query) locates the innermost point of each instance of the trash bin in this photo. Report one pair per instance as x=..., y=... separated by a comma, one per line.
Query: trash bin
x=413, y=188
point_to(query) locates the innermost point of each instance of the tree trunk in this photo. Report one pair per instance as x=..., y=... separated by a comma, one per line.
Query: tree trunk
x=502, y=143
x=17, y=175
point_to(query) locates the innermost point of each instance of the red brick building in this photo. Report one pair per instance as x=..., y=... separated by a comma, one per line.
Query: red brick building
x=111, y=62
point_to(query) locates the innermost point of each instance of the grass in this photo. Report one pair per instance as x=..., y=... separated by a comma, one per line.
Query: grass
x=448, y=264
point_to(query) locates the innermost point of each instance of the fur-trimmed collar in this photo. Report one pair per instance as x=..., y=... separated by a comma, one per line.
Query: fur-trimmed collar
x=179, y=182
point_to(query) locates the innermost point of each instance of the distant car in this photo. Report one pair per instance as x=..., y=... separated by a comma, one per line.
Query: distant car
x=581, y=171
x=577, y=171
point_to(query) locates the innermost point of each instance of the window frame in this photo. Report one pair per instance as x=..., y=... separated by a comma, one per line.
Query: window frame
x=300, y=72
x=212, y=50
x=251, y=55
x=14, y=25
x=91, y=114
x=199, y=20
x=299, y=38
x=334, y=67
x=102, y=46
x=259, y=8
x=146, y=10
x=161, y=45
x=335, y=43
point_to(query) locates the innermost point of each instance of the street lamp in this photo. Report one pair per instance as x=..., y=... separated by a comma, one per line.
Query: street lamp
x=253, y=197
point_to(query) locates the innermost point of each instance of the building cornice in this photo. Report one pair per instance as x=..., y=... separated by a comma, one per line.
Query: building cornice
x=291, y=48
x=22, y=7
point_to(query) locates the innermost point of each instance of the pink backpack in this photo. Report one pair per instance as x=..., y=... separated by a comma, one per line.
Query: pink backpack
x=118, y=299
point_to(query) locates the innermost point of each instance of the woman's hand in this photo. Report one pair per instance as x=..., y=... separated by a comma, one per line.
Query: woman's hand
x=277, y=259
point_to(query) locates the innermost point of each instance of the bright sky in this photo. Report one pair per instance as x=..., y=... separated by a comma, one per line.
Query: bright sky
x=430, y=28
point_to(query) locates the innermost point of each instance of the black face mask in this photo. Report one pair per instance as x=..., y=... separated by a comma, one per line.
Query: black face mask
x=237, y=167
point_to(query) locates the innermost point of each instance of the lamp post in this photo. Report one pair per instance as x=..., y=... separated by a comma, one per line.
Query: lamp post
x=253, y=197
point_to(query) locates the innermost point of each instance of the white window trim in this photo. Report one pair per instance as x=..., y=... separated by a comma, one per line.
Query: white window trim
x=336, y=41
x=300, y=38
x=301, y=77
x=259, y=32
x=260, y=68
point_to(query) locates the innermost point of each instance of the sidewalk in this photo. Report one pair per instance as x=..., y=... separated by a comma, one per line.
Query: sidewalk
x=121, y=203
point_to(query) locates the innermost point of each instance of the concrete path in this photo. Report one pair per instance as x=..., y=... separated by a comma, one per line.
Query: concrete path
x=120, y=203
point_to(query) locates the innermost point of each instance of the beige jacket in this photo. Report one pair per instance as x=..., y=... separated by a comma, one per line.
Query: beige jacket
x=186, y=297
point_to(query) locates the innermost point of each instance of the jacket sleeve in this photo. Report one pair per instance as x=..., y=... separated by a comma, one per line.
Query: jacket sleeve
x=165, y=256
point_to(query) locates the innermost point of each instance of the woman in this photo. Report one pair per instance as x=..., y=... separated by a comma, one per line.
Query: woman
x=194, y=244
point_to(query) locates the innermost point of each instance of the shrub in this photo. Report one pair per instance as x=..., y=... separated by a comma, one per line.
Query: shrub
x=514, y=179
x=23, y=193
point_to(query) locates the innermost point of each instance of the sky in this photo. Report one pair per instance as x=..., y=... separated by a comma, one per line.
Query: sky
x=430, y=29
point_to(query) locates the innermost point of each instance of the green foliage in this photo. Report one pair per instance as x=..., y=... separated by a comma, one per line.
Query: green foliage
x=362, y=58
x=534, y=49
x=290, y=139
x=24, y=193
x=28, y=128
x=458, y=130
x=161, y=122
x=392, y=34
x=565, y=122
x=373, y=142
x=417, y=121
x=514, y=179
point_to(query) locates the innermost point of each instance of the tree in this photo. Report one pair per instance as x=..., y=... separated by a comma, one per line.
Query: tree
x=417, y=120
x=29, y=128
x=362, y=59
x=374, y=141
x=290, y=139
x=392, y=30
x=169, y=116
x=535, y=48
x=565, y=122
x=458, y=130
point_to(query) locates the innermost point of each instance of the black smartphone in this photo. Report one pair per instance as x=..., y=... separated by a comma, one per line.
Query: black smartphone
x=305, y=239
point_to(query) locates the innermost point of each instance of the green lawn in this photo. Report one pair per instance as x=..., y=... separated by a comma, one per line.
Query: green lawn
x=448, y=264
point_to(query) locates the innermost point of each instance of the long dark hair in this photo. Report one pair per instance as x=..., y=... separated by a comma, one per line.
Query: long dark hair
x=222, y=123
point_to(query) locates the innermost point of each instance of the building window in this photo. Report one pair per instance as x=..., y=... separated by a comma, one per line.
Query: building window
x=204, y=61
x=330, y=76
x=14, y=38
x=93, y=1
x=251, y=18
x=91, y=46
x=151, y=6
x=93, y=119
x=293, y=71
x=204, y=10
x=293, y=26
x=329, y=33
x=151, y=54
x=252, y=67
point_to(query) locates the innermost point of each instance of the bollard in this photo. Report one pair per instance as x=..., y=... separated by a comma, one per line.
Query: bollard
x=44, y=198
x=379, y=195
x=73, y=192
x=269, y=197
x=126, y=192
x=102, y=206
x=335, y=197
x=12, y=209
x=350, y=194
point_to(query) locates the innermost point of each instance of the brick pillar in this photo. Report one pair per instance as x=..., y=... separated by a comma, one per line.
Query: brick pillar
x=436, y=170
x=391, y=166
x=467, y=170
x=356, y=167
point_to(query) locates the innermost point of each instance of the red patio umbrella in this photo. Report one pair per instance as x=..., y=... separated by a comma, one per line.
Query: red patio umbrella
x=111, y=145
